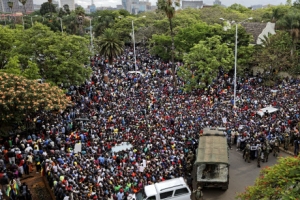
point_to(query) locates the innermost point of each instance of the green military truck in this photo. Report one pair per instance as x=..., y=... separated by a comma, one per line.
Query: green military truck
x=211, y=167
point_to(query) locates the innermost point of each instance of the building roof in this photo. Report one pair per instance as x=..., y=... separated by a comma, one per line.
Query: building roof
x=254, y=28
x=192, y=4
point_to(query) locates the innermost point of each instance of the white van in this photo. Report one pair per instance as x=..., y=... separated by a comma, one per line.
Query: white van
x=175, y=189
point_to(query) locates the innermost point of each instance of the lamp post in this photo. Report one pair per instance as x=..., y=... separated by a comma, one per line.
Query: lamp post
x=32, y=20
x=91, y=35
x=135, y=67
x=133, y=37
x=23, y=23
x=10, y=5
x=61, y=26
x=235, y=57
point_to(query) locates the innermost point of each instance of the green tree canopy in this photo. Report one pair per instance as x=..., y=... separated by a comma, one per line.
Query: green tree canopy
x=109, y=44
x=161, y=46
x=20, y=96
x=6, y=41
x=238, y=7
x=281, y=181
x=47, y=8
x=276, y=53
x=59, y=58
x=203, y=62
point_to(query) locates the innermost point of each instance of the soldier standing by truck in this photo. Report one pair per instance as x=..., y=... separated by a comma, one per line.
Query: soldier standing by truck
x=258, y=156
x=286, y=141
x=246, y=154
x=266, y=151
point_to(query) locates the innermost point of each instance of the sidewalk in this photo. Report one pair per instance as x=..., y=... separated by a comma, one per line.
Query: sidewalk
x=37, y=186
x=290, y=150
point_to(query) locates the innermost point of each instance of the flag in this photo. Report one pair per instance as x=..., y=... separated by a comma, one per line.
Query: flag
x=8, y=191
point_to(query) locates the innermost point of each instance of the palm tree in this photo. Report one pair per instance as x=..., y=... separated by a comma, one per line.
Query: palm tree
x=50, y=7
x=23, y=2
x=168, y=7
x=291, y=22
x=109, y=44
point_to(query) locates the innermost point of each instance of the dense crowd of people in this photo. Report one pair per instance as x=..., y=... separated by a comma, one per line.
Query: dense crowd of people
x=119, y=106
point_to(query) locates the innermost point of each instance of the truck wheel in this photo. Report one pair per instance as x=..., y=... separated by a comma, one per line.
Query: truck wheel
x=225, y=187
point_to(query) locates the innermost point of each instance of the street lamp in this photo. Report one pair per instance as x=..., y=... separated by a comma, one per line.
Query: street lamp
x=10, y=5
x=133, y=37
x=91, y=34
x=31, y=19
x=61, y=26
x=235, y=57
x=23, y=23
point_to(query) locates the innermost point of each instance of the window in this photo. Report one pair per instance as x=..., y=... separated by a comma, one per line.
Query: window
x=151, y=198
x=181, y=191
x=166, y=195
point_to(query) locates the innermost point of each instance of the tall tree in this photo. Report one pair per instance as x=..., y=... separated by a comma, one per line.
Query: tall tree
x=23, y=2
x=281, y=181
x=168, y=7
x=109, y=44
x=60, y=58
x=203, y=62
x=275, y=54
x=47, y=8
x=20, y=96
x=291, y=22
x=80, y=13
x=7, y=36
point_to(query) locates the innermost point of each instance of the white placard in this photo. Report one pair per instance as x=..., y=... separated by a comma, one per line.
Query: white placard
x=77, y=148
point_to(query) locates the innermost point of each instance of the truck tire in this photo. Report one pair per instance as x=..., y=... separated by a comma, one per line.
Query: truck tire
x=225, y=187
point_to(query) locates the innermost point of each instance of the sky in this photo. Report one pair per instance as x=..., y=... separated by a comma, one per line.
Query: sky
x=113, y=3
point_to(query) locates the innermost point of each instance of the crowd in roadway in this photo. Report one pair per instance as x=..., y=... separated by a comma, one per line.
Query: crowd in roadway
x=162, y=123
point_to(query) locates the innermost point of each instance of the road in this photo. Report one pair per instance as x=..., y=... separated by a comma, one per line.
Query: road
x=242, y=174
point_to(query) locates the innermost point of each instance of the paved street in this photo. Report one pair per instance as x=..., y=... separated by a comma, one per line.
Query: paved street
x=242, y=174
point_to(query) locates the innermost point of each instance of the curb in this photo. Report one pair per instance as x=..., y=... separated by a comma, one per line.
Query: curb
x=48, y=188
x=288, y=152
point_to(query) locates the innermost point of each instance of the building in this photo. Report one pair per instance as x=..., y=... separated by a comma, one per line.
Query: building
x=17, y=6
x=119, y=7
x=217, y=2
x=92, y=7
x=55, y=3
x=137, y=6
x=124, y=4
x=254, y=7
x=36, y=7
x=70, y=3
x=152, y=8
x=192, y=4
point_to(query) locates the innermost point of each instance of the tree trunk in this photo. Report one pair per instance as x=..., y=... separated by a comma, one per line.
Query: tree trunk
x=172, y=54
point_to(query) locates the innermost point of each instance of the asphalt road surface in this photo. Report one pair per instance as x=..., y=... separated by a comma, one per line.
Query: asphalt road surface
x=242, y=174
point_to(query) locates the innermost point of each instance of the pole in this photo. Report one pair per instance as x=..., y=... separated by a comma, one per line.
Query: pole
x=235, y=65
x=61, y=26
x=31, y=21
x=43, y=19
x=135, y=67
x=91, y=34
x=23, y=23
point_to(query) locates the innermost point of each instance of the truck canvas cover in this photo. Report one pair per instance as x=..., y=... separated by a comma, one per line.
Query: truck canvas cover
x=212, y=148
x=212, y=153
